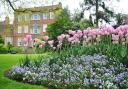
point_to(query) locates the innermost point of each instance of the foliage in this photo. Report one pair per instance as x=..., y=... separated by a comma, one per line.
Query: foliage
x=16, y=50
x=79, y=60
x=3, y=49
x=120, y=19
x=81, y=25
x=110, y=41
x=9, y=49
x=103, y=14
x=1, y=40
x=6, y=62
x=61, y=25
x=73, y=72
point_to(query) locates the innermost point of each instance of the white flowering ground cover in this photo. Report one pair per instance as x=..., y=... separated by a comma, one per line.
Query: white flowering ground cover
x=74, y=72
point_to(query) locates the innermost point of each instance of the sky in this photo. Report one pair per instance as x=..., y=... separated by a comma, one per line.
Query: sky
x=119, y=7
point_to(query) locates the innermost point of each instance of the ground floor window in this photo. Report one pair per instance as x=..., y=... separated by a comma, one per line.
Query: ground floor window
x=8, y=40
x=19, y=42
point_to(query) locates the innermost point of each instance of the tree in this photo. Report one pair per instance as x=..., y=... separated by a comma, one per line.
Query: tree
x=61, y=24
x=79, y=22
x=103, y=14
x=120, y=19
x=13, y=5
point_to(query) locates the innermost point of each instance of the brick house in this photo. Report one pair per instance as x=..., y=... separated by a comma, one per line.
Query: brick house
x=32, y=21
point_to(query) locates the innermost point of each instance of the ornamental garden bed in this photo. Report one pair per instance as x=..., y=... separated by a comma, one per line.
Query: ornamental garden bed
x=74, y=72
x=88, y=59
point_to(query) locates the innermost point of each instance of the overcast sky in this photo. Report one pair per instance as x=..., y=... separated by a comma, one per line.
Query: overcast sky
x=121, y=6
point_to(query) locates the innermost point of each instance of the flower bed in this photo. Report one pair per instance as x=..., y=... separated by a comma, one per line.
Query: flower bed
x=107, y=40
x=74, y=72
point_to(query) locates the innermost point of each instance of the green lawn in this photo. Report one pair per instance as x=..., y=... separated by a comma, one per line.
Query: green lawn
x=6, y=62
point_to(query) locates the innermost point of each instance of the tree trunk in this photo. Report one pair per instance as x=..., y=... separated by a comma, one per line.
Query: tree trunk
x=97, y=18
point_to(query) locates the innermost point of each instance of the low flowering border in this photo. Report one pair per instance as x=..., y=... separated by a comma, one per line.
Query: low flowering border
x=74, y=72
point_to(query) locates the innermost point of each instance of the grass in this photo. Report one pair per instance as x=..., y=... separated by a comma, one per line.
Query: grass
x=6, y=62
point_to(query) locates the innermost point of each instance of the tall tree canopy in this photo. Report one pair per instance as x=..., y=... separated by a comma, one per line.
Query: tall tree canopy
x=61, y=24
x=102, y=11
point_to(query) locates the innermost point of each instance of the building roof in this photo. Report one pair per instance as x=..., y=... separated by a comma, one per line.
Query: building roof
x=40, y=9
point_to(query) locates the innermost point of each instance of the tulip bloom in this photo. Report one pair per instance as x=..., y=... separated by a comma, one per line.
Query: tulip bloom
x=45, y=38
x=51, y=43
x=42, y=43
x=40, y=46
x=60, y=38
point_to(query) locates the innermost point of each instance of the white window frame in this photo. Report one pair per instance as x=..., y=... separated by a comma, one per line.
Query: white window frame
x=36, y=29
x=8, y=40
x=19, y=18
x=19, y=29
x=46, y=16
x=26, y=17
x=44, y=27
x=19, y=42
x=51, y=15
x=35, y=17
x=26, y=29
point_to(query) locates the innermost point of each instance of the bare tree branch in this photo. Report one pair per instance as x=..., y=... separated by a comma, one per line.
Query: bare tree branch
x=9, y=2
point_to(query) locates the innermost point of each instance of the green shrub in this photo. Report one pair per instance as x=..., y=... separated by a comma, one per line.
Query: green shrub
x=3, y=49
x=16, y=50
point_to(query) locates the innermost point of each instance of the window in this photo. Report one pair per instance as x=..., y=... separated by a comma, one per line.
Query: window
x=8, y=40
x=35, y=17
x=25, y=29
x=44, y=27
x=26, y=17
x=36, y=29
x=45, y=15
x=19, y=42
x=51, y=15
x=19, y=29
x=19, y=18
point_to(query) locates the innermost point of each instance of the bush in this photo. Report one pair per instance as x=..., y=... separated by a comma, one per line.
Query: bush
x=3, y=49
x=14, y=50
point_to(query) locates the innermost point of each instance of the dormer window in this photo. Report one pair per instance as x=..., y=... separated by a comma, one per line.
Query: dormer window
x=35, y=17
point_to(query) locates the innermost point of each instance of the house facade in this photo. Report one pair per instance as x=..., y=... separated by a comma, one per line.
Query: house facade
x=32, y=21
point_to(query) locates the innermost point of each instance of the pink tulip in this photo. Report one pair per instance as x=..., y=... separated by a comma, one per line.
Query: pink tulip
x=79, y=32
x=36, y=40
x=63, y=36
x=70, y=39
x=72, y=32
x=51, y=43
x=85, y=32
x=120, y=33
x=76, y=36
x=40, y=46
x=60, y=38
x=43, y=43
x=67, y=36
x=45, y=38
x=115, y=37
x=25, y=40
x=29, y=38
